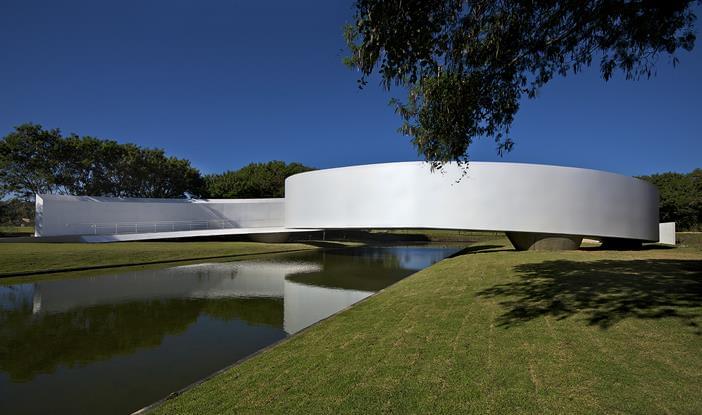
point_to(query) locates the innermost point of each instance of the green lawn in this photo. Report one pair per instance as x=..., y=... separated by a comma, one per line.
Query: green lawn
x=492, y=331
x=28, y=258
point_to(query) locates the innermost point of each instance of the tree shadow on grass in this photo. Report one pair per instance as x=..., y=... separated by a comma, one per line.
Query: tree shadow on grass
x=604, y=292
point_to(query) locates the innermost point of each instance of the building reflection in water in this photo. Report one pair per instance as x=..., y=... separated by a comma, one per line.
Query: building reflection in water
x=55, y=332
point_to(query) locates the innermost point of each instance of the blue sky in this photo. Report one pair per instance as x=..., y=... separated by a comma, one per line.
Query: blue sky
x=225, y=83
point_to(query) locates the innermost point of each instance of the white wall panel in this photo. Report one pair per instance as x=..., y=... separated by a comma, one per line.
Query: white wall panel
x=85, y=215
x=667, y=233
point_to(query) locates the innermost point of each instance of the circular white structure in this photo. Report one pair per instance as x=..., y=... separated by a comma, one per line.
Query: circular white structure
x=530, y=202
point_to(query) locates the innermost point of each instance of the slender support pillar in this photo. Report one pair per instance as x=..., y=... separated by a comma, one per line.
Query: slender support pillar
x=528, y=241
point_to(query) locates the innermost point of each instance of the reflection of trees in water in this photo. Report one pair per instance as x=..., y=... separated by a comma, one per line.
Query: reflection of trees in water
x=365, y=269
x=369, y=268
x=258, y=311
x=386, y=257
x=39, y=343
x=34, y=343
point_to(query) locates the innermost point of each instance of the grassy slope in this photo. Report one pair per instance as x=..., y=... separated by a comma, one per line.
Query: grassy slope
x=500, y=332
x=690, y=239
x=37, y=257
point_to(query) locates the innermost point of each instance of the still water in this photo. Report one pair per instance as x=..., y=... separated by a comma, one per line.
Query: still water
x=114, y=343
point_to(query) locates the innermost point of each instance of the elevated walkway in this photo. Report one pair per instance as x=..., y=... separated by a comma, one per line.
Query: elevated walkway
x=126, y=237
x=261, y=233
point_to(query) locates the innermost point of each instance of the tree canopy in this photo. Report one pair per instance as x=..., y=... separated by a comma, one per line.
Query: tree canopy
x=34, y=160
x=680, y=198
x=467, y=63
x=16, y=212
x=253, y=180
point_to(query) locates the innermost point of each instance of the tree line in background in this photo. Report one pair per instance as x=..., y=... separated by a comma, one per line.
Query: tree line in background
x=255, y=180
x=35, y=160
x=681, y=198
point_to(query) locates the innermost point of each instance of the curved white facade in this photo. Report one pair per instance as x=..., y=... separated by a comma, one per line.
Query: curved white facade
x=508, y=197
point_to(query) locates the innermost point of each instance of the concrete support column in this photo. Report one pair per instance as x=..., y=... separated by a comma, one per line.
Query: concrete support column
x=529, y=241
x=621, y=244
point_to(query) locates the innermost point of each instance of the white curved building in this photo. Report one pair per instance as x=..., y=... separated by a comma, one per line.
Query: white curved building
x=535, y=204
x=538, y=206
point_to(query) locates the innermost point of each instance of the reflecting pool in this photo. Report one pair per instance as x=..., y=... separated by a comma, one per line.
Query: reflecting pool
x=114, y=343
